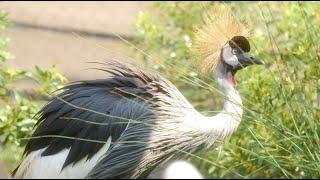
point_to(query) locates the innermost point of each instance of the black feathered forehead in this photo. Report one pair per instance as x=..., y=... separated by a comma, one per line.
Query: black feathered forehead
x=240, y=42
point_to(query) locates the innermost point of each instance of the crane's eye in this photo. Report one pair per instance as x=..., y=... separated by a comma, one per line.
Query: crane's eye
x=234, y=51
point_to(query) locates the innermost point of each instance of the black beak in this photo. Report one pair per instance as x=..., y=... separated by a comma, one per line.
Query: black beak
x=246, y=59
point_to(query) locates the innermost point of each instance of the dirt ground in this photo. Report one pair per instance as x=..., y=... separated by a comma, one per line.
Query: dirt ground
x=43, y=34
x=91, y=16
x=3, y=171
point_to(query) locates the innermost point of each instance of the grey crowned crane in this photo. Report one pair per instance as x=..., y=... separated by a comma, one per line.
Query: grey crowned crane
x=124, y=126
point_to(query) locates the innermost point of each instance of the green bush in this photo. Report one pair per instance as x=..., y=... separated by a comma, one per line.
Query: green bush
x=279, y=133
x=17, y=107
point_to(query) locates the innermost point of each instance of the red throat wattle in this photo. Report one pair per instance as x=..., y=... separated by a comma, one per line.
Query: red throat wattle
x=232, y=79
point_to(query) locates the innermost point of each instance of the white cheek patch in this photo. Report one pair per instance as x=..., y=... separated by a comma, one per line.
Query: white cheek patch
x=228, y=57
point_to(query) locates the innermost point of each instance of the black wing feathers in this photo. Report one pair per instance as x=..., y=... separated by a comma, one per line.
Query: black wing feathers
x=110, y=96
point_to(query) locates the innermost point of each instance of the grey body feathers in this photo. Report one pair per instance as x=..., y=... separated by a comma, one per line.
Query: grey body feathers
x=143, y=114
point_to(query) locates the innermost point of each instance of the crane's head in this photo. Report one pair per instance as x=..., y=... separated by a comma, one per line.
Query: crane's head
x=223, y=40
x=235, y=56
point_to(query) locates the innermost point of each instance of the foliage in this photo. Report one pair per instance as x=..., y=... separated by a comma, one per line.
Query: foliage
x=4, y=23
x=279, y=133
x=18, y=107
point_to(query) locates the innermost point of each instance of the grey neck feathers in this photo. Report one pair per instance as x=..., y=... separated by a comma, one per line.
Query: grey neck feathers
x=217, y=128
x=232, y=99
x=230, y=116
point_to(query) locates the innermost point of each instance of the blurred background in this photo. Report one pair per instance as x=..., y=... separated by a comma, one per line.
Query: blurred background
x=49, y=31
x=44, y=45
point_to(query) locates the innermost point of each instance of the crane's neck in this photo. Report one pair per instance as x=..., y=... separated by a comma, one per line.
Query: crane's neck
x=232, y=100
x=227, y=121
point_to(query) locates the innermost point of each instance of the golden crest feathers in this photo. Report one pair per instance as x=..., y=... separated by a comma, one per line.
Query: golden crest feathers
x=219, y=27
